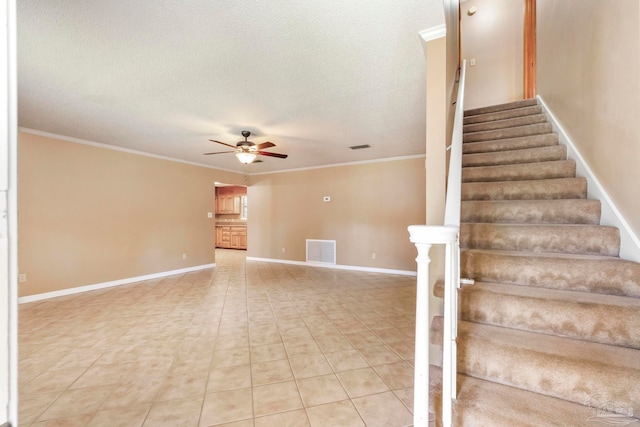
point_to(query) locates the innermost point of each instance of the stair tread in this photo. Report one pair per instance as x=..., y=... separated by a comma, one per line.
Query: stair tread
x=520, y=171
x=518, y=156
x=501, y=107
x=511, y=132
x=485, y=403
x=561, y=211
x=562, y=367
x=504, y=114
x=505, y=123
x=519, y=142
x=538, y=189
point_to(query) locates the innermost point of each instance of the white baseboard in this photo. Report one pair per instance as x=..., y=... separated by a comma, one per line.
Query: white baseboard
x=335, y=266
x=611, y=216
x=79, y=289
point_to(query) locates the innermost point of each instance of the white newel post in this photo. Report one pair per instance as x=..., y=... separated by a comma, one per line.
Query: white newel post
x=421, y=370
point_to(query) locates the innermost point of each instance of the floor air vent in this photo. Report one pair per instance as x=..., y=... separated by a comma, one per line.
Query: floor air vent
x=321, y=251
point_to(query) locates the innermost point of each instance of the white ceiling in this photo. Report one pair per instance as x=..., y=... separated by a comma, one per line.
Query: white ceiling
x=164, y=77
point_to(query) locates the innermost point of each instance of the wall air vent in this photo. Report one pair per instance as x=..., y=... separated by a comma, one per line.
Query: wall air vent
x=321, y=251
x=360, y=147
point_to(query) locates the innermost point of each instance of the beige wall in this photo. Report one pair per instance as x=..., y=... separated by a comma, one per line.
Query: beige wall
x=494, y=37
x=371, y=206
x=89, y=215
x=588, y=73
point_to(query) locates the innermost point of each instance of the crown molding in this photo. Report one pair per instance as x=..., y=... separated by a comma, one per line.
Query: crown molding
x=433, y=33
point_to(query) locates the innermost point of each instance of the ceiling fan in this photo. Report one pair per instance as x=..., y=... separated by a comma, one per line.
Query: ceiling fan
x=247, y=151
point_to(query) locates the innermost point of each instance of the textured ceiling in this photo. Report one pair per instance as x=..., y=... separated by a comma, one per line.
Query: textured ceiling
x=164, y=77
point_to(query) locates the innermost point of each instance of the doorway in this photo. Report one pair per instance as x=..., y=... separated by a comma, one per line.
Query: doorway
x=231, y=216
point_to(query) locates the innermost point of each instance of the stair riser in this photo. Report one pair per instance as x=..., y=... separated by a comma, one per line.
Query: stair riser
x=503, y=124
x=579, y=320
x=564, y=378
x=514, y=132
x=526, y=171
x=534, y=141
x=543, y=154
x=532, y=211
x=501, y=107
x=503, y=115
x=587, y=240
x=596, y=275
x=565, y=188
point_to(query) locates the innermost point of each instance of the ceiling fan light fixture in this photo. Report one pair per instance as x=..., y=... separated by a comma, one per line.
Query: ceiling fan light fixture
x=245, y=157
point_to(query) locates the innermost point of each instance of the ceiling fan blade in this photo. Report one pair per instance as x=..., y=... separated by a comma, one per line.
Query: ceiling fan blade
x=264, y=145
x=223, y=143
x=278, y=155
x=218, y=152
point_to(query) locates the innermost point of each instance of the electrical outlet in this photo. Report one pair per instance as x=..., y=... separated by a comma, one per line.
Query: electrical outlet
x=184, y=255
x=209, y=214
x=282, y=250
x=22, y=277
x=472, y=62
x=373, y=255
x=326, y=199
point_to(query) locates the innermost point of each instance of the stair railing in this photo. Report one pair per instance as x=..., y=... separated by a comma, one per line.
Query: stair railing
x=424, y=236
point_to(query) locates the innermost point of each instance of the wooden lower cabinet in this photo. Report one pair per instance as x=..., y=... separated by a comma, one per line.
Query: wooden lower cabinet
x=231, y=237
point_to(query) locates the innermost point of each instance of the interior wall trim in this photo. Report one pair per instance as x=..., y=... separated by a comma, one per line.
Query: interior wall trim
x=611, y=215
x=433, y=33
x=335, y=266
x=87, y=288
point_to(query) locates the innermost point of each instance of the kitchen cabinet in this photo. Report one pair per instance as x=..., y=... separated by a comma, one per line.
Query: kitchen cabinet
x=228, y=204
x=231, y=237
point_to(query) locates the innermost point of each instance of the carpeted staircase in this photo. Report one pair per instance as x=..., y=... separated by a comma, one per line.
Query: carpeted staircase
x=550, y=333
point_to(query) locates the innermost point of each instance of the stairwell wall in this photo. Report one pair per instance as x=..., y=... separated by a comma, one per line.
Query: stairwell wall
x=588, y=73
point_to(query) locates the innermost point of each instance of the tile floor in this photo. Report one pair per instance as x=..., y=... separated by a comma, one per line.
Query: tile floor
x=246, y=344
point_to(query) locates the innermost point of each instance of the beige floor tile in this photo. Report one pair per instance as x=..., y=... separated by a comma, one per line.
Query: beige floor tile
x=133, y=392
x=231, y=357
x=274, y=398
x=271, y=372
x=77, y=402
x=406, y=395
x=342, y=414
x=319, y=390
x=131, y=416
x=77, y=421
x=30, y=406
x=346, y=360
x=383, y=409
x=361, y=382
x=310, y=366
x=379, y=355
x=226, y=407
x=268, y=352
x=175, y=413
x=198, y=334
x=396, y=375
x=182, y=386
x=296, y=418
x=53, y=380
x=229, y=378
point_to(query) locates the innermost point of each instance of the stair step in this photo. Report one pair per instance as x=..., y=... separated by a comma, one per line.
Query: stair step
x=582, y=273
x=563, y=211
x=505, y=123
x=521, y=171
x=501, y=107
x=513, y=132
x=528, y=155
x=502, y=115
x=533, y=141
x=573, y=370
x=606, y=319
x=542, y=189
x=483, y=403
x=560, y=238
